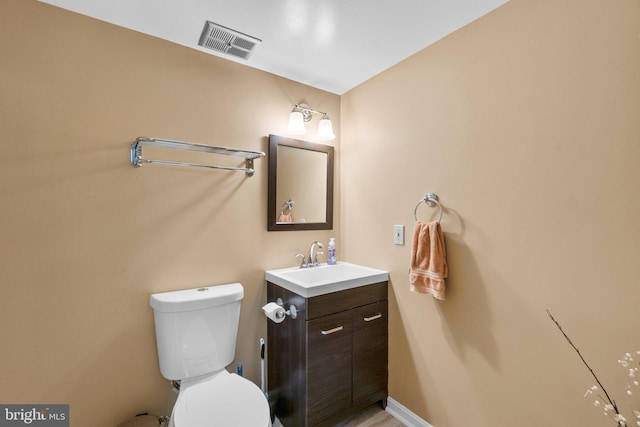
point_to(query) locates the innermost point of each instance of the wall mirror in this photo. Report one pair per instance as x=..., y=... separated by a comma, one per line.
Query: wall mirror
x=300, y=189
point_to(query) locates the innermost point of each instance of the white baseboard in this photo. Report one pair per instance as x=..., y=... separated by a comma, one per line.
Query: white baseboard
x=404, y=415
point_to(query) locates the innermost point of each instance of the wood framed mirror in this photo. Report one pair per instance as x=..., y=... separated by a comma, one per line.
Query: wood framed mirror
x=300, y=187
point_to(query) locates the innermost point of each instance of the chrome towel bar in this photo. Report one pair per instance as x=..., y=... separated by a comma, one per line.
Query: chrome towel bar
x=137, y=160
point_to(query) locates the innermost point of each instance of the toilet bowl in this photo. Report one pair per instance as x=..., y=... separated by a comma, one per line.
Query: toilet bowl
x=223, y=399
x=196, y=333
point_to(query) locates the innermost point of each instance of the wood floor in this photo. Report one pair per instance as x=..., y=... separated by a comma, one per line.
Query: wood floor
x=372, y=417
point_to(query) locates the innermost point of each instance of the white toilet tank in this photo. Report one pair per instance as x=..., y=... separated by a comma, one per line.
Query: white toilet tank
x=196, y=329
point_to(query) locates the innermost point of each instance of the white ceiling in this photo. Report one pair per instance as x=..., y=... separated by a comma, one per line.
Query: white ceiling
x=333, y=45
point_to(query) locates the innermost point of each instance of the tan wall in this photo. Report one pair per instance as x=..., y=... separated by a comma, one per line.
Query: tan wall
x=86, y=238
x=526, y=123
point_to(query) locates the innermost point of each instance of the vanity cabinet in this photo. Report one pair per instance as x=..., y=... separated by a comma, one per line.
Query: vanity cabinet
x=331, y=361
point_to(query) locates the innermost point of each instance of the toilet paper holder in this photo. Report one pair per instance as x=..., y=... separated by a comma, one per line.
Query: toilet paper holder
x=276, y=312
x=293, y=311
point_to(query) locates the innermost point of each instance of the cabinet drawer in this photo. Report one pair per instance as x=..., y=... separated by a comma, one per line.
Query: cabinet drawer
x=328, y=366
x=323, y=305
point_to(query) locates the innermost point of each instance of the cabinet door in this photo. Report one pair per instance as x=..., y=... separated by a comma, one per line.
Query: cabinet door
x=370, y=349
x=328, y=367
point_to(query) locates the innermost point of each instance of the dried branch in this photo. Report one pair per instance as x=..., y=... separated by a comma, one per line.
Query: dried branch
x=612, y=402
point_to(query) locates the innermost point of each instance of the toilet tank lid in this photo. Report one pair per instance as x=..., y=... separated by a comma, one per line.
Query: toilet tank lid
x=197, y=298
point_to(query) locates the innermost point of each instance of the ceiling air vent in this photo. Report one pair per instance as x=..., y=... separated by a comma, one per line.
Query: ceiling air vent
x=225, y=40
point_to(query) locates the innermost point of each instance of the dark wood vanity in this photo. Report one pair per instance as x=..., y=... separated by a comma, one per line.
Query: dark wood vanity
x=330, y=362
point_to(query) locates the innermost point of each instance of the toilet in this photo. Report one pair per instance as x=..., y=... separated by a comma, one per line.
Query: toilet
x=196, y=333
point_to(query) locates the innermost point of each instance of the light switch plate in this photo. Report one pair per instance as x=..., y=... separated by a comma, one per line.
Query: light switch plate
x=398, y=234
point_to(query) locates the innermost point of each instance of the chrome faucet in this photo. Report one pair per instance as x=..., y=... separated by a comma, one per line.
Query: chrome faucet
x=303, y=263
x=312, y=261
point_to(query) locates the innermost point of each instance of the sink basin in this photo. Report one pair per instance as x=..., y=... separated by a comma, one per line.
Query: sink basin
x=324, y=279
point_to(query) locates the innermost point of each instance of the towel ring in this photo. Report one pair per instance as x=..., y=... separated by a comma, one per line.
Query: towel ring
x=286, y=207
x=430, y=199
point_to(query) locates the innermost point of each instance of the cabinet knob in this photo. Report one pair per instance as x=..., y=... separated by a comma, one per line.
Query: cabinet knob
x=374, y=317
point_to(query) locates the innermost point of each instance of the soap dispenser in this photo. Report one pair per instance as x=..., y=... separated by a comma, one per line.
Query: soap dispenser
x=331, y=255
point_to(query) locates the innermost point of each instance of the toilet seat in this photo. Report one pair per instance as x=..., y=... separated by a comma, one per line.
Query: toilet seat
x=224, y=399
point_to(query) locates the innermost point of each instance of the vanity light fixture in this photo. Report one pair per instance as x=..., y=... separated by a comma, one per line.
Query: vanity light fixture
x=302, y=113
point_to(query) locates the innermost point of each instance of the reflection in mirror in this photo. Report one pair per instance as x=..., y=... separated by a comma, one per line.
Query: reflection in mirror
x=307, y=190
x=300, y=185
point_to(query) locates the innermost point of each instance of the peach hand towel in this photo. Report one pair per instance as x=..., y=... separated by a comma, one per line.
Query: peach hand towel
x=285, y=218
x=428, y=260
